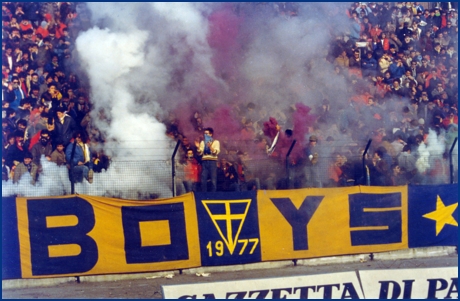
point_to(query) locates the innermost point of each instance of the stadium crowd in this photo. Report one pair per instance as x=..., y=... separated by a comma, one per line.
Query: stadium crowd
x=399, y=61
x=44, y=106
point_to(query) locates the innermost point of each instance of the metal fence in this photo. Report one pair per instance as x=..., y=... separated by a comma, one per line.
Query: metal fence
x=151, y=179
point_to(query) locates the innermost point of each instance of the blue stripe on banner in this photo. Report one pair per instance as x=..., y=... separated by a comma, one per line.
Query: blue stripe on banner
x=11, y=266
x=228, y=228
x=433, y=219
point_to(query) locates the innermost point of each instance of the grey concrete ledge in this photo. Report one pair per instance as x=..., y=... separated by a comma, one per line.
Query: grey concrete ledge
x=416, y=253
x=116, y=277
x=240, y=267
x=23, y=283
x=391, y=255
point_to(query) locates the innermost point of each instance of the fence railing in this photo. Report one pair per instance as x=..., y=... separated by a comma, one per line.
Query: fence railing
x=152, y=179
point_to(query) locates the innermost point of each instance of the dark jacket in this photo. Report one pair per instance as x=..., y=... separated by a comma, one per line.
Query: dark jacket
x=369, y=64
x=63, y=131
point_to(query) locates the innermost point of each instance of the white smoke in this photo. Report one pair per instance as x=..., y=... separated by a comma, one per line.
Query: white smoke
x=127, y=180
x=431, y=157
x=54, y=180
x=146, y=60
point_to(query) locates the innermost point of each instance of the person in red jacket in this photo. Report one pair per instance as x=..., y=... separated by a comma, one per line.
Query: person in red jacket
x=25, y=25
x=43, y=29
x=192, y=172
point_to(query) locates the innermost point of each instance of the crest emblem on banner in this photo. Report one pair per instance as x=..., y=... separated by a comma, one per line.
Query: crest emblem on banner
x=227, y=220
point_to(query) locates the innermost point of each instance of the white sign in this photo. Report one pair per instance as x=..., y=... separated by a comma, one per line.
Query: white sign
x=323, y=286
x=429, y=283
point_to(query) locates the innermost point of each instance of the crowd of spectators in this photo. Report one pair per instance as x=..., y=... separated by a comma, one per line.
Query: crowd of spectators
x=43, y=103
x=399, y=61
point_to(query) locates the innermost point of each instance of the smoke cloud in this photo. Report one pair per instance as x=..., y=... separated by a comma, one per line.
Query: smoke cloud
x=153, y=64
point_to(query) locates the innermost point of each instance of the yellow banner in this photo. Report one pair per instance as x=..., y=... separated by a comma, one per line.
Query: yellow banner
x=308, y=223
x=86, y=235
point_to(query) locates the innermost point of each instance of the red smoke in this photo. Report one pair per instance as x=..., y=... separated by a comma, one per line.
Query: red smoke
x=223, y=38
x=302, y=121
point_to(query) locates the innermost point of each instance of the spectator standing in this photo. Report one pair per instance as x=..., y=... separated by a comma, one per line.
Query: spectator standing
x=342, y=60
x=185, y=147
x=15, y=153
x=192, y=172
x=10, y=120
x=25, y=109
x=227, y=176
x=397, y=178
x=382, y=174
x=246, y=179
x=5, y=170
x=14, y=94
x=406, y=162
x=26, y=166
x=398, y=143
x=335, y=171
x=42, y=148
x=209, y=149
x=81, y=108
x=81, y=165
x=384, y=63
x=42, y=29
x=64, y=126
x=369, y=65
x=58, y=155
x=52, y=97
x=311, y=165
x=397, y=69
x=355, y=61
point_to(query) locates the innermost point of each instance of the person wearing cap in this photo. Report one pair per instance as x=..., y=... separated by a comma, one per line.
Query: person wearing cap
x=26, y=166
x=311, y=165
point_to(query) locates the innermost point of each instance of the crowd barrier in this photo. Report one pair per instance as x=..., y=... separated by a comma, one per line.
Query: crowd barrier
x=78, y=235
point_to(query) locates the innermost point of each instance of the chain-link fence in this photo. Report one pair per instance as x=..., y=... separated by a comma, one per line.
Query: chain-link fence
x=150, y=179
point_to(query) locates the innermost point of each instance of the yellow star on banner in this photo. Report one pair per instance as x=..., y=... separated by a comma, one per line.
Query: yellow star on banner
x=442, y=215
